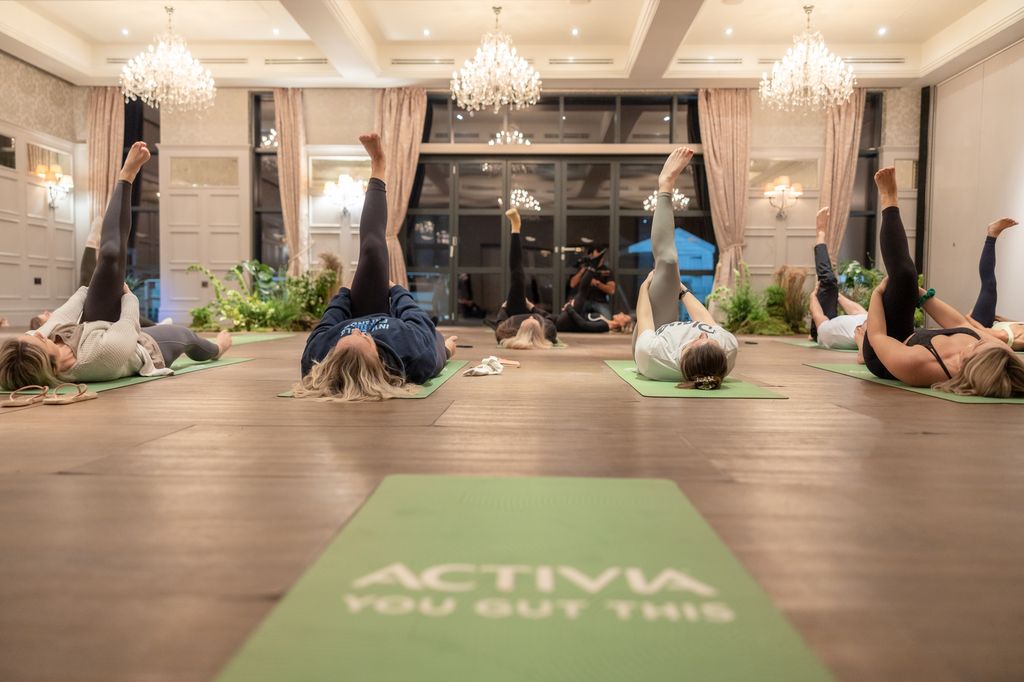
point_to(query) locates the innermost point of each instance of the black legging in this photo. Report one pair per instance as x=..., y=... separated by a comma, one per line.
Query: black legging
x=515, y=302
x=984, y=311
x=901, y=294
x=370, y=288
x=103, y=300
x=175, y=340
x=828, y=285
x=572, y=317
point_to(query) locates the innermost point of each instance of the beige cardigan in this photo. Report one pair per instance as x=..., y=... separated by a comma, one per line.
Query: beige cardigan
x=106, y=350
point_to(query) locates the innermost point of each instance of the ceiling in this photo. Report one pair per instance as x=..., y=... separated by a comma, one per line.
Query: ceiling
x=618, y=44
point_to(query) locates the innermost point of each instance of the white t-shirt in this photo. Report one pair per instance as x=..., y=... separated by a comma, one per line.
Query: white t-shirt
x=657, y=353
x=838, y=332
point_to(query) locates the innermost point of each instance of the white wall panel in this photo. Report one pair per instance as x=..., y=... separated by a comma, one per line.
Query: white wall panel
x=977, y=173
x=201, y=225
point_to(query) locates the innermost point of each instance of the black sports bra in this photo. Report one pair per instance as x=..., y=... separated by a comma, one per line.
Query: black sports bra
x=923, y=337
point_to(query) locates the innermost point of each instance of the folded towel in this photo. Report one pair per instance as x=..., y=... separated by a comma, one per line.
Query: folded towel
x=489, y=365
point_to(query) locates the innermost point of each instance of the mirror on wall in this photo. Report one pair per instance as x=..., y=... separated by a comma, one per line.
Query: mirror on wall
x=7, y=151
x=336, y=188
x=906, y=173
x=799, y=171
x=47, y=164
x=204, y=171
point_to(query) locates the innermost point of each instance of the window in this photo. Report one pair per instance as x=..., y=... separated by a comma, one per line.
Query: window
x=268, y=242
x=859, y=241
x=7, y=151
x=570, y=119
x=142, y=122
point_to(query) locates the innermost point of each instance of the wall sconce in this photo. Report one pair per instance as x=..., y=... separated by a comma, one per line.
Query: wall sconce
x=679, y=201
x=781, y=195
x=347, y=191
x=57, y=184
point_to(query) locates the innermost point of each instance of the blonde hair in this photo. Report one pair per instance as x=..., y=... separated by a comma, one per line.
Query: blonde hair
x=993, y=372
x=23, y=363
x=348, y=375
x=528, y=336
x=703, y=367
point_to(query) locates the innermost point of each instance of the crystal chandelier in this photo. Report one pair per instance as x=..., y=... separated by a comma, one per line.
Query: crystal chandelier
x=679, y=201
x=503, y=137
x=809, y=76
x=496, y=77
x=168, y=76
x=523, y=200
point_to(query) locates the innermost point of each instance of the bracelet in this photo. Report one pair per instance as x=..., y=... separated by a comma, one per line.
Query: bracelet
x=924, y=299
x=684, y=292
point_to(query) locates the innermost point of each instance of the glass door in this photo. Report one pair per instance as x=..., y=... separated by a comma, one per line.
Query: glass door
x=429, y=241
x=587, y=227
x=533, y=189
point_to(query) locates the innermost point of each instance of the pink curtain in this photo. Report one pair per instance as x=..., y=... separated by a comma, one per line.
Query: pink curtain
x=842, y=144
x=725, y=134
x=399, y=119
x=291, y=174
x=105, y=143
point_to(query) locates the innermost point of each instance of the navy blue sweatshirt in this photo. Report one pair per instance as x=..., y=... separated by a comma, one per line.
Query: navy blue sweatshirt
x=407, y=340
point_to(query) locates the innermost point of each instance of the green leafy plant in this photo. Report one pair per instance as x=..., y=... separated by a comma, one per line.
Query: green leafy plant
x=746, y=311
x=857, y=282
x=264, y=298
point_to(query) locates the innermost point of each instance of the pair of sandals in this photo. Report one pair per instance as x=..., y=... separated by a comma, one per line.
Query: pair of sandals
x=41, y=395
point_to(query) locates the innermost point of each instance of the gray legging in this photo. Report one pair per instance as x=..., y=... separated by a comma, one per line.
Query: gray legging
x=175, y=340
x=664, y=290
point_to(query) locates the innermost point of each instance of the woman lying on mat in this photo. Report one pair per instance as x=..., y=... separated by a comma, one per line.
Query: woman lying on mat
x=983, y=316
x=373, y=342
x=956, y=358
x=830, y=328
x=95, y=336
x=522, y=325
x=572, y=318
x=699, y=353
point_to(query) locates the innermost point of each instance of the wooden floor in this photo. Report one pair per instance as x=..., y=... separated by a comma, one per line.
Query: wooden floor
x=145, y=534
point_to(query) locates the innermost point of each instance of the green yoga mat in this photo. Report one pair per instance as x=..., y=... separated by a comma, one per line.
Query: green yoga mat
x=451, y=368
x=862, y=372
x=242, y=338
x=182, y=365
x=467, y=579
x=807, y=343
x=731, y=387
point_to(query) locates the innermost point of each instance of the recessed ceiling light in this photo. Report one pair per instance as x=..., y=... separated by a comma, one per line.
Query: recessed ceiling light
x=882, y=31
x=458, y=116
x=426, y=33
x=575, y=31
x=728, y=31
x=124, y=31
x=276, y=31
x=563, y=118
x=667, y=118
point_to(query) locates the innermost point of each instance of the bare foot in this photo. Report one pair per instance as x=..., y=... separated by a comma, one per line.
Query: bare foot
x=674, y=165
x=821, y=222
x=138, y=155
x=372, y=144
x=223, y=342
x=885, y=179
x=996, y=228
x=517, y=222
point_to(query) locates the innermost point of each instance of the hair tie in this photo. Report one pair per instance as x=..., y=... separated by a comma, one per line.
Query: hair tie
x=924, y=299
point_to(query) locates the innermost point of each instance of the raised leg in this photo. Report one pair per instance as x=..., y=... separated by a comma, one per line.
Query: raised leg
x=370, y=283
x=103, y=302
x=984, y=312
x=664, y=289
x=515, y=302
